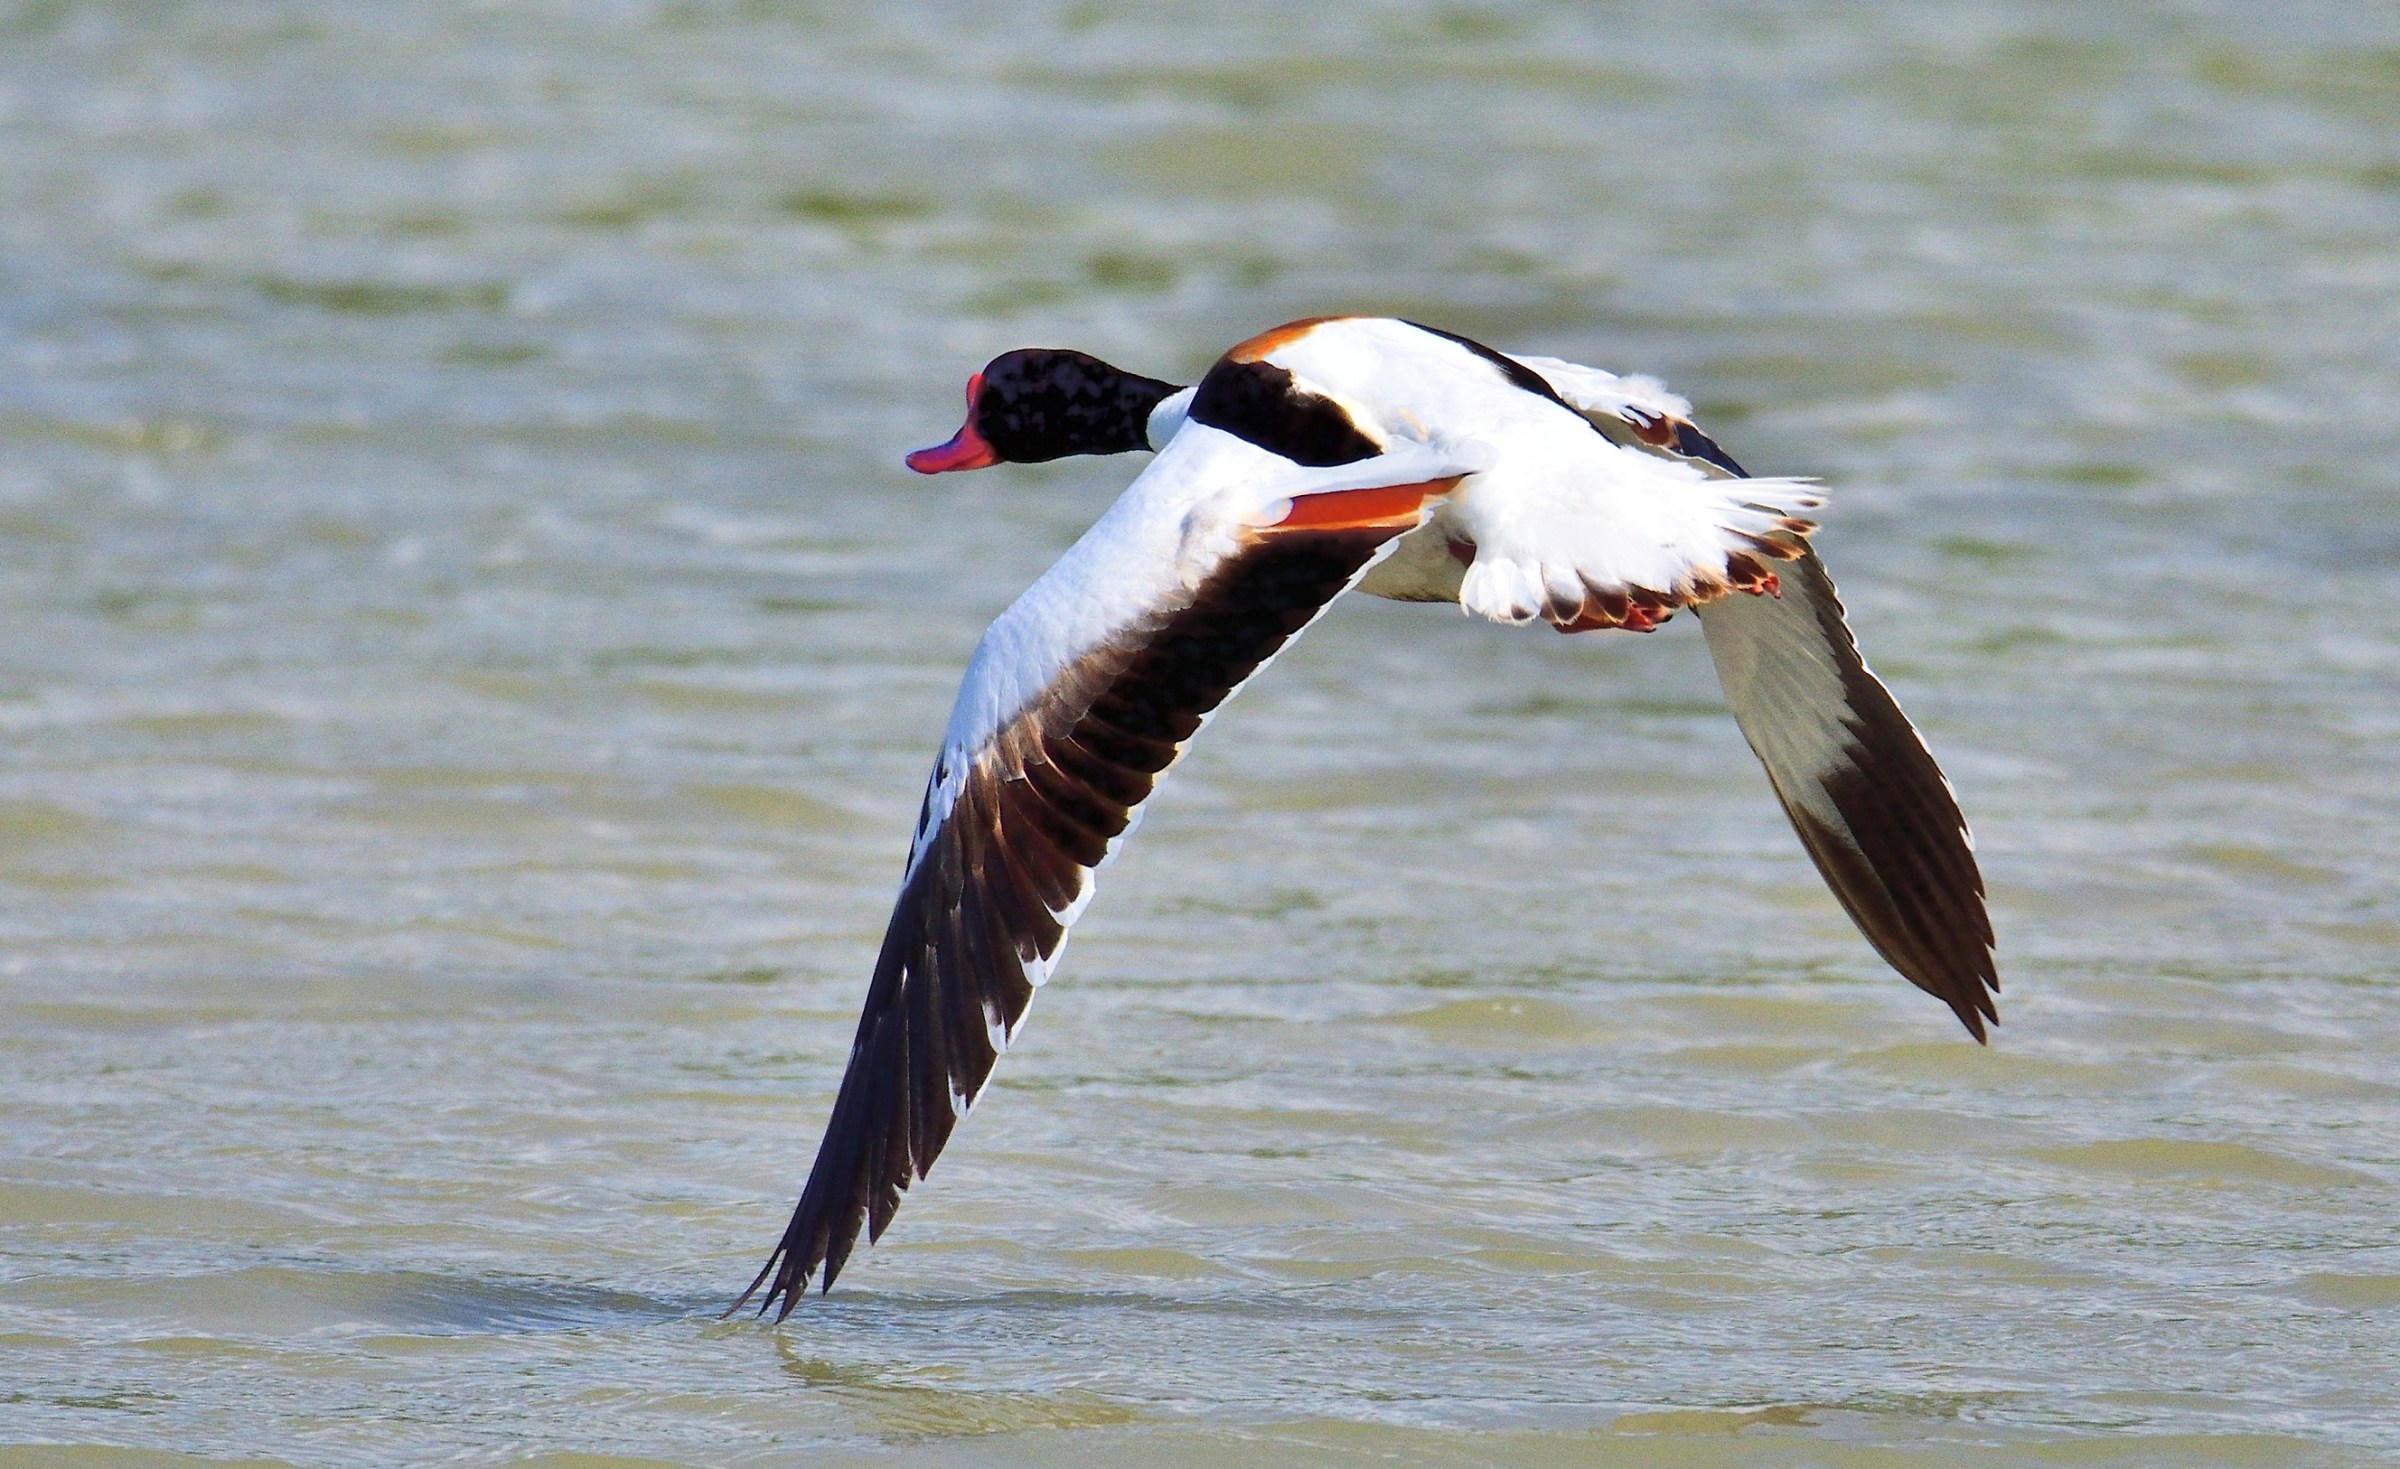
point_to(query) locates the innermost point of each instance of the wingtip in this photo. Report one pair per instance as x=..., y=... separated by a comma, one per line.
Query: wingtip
x=1974, y=1019
x=793, y=1291
x=1975, y=999
x=785, y=1283
x=752, y=1288
x=784, y=1296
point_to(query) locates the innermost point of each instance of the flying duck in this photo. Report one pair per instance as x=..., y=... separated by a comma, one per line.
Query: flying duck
x=1327, y=454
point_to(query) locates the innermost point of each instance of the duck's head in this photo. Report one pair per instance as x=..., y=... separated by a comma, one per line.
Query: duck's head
x=1042, y=403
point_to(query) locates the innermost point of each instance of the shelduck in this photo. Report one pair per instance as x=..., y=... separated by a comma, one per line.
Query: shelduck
x=1327, y=454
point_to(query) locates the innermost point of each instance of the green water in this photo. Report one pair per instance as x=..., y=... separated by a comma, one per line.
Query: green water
x=472, y=654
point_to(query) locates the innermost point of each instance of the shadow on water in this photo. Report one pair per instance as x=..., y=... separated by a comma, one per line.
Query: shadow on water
x=852, y=1311
x=283, y=1300
x=912, y=1404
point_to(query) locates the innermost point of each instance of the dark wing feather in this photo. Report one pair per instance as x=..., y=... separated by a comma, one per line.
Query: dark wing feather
x=1866, y=797
x=985, y=908
x=1861, y=789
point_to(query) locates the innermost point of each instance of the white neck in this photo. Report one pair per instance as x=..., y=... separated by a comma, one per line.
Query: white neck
x=1168, y=417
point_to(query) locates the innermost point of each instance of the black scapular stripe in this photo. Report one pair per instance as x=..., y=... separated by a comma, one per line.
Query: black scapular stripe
x=1693, y=444
x=1510, y=368
x=1259, y=402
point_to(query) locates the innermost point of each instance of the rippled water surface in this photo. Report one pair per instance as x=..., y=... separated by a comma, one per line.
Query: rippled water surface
x=471, y=654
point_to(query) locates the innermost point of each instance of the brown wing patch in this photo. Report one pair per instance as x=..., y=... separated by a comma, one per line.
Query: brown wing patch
x=1747, y=575
x=1787, y=541
x=987, y=903
x=1388, y=507
x=1267, y=341
x=1658, y=433
x=1634, y=609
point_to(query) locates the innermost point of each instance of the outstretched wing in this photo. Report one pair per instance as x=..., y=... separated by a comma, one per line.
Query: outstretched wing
x=1863, y=792
x=1077, y=701
x=1861, y=789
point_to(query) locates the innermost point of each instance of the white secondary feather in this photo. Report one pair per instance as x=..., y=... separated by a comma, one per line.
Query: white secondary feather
x=1783, y=681
x=1793, y=678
